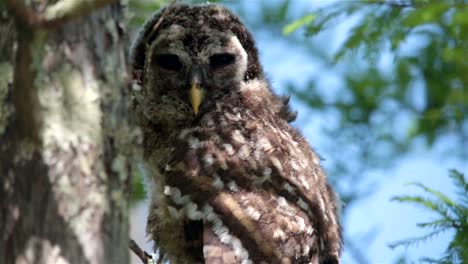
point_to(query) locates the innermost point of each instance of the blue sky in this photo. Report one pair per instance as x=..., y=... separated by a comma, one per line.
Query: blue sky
x=284, y=62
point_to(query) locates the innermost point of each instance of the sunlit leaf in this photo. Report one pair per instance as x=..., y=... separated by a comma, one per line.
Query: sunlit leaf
x=307, y=19
x=427, y=14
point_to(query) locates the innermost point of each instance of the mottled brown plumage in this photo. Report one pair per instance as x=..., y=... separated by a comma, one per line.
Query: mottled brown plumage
x=231, y=180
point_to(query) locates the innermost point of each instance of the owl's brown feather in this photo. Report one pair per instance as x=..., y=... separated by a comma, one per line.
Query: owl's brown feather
x=215, y=251
x=234, y=183
x=261, y=178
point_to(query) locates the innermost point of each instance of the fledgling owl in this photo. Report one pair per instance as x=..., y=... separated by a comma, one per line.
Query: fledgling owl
x=232, y=181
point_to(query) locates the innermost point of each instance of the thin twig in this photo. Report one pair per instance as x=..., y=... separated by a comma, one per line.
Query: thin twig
x=139, y=252
x=395, y=3
x=160, y=20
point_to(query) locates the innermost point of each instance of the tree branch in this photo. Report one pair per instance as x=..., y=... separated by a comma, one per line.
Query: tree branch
x=139, y=252
x=55, y=14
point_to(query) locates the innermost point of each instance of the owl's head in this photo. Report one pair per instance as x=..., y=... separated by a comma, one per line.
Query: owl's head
x=188, y=57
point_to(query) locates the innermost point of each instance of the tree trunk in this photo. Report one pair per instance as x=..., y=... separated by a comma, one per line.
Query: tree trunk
x=64, y=136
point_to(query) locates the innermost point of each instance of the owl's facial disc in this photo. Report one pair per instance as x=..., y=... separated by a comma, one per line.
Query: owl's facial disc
x=197, y=92
x=191, y=69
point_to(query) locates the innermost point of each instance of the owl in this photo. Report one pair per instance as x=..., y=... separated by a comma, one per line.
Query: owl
x=230, y=180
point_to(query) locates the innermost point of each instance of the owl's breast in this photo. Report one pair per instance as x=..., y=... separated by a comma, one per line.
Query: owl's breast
x=256, y=173
x=243, y=147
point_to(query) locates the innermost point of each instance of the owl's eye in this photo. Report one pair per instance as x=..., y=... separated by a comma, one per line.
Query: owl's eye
x=221, y=60
x=169, y=62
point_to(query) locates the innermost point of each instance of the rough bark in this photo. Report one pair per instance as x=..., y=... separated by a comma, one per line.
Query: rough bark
x=64, y=139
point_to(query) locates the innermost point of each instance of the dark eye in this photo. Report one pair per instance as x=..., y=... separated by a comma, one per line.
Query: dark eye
x=168, y=62
x=221, y=60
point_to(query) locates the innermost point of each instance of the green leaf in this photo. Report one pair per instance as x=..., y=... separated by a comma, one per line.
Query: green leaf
x=437, y=224
x=429, y=14
x=424, y=202
x=305, y=20
x=414, y=240
x=459, y=180
x=442, y=197
x=461, y=17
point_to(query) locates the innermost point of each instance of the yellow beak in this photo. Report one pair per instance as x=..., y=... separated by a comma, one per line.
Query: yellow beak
x=196, y=96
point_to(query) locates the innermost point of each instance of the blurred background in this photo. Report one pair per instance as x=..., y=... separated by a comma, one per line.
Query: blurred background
x=381, y=88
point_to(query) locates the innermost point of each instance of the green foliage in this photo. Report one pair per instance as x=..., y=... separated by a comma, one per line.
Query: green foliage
x=140, y=10
x=427, y=80
x=305, y=20
x=138, y=187
x=401, y=77
x=450, y=215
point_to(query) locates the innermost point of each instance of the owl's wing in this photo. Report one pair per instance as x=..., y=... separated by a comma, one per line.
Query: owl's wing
x=248, y=226
x=214, y=250
x=255, y=205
